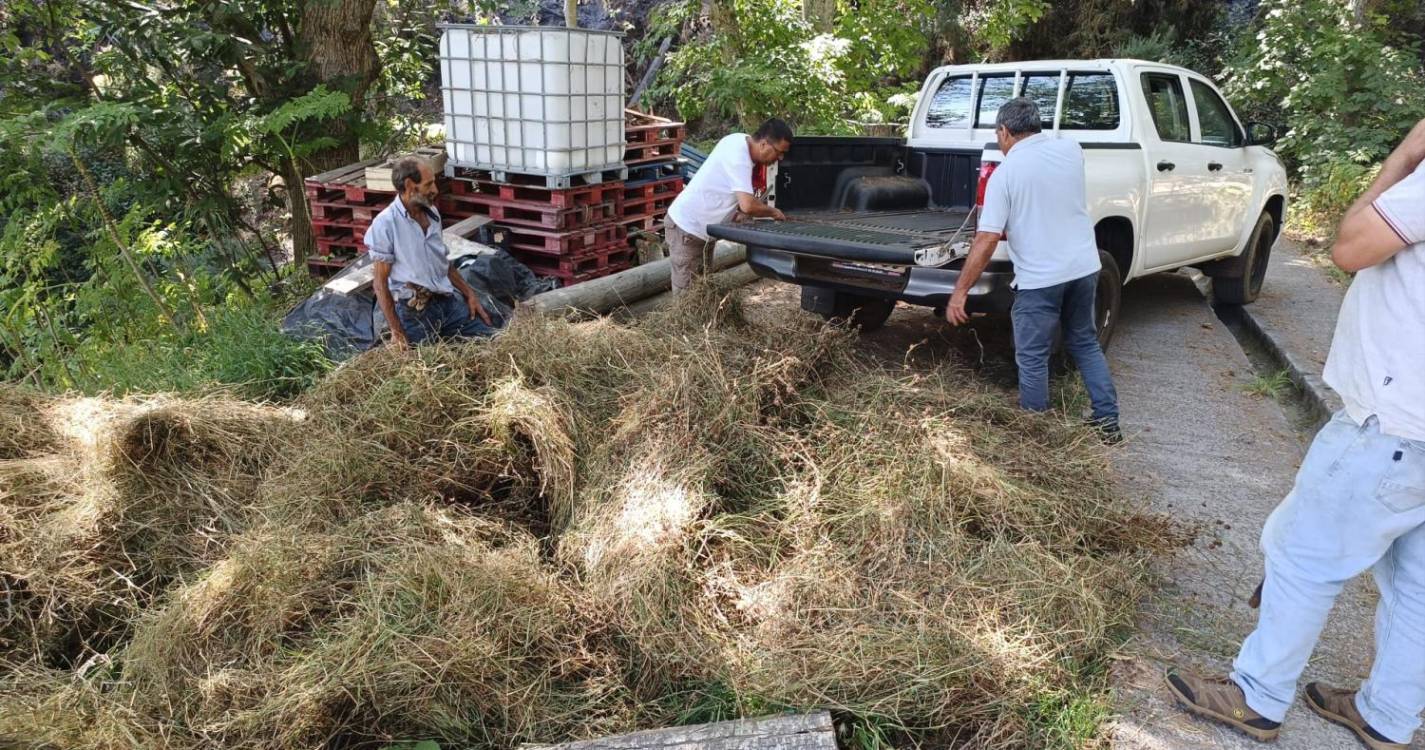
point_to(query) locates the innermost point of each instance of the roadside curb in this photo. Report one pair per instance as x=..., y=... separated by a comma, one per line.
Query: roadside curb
x=1322, y=400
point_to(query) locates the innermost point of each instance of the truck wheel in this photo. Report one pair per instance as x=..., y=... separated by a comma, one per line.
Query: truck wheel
x=1238, y=281
x=864, y=312
x=1107, y=298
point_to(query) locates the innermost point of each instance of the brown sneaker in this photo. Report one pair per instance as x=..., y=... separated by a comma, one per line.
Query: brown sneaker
x=1339, y=707
x=1219, y=699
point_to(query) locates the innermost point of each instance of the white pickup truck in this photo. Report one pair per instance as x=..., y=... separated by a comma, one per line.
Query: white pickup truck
x=1174, y=179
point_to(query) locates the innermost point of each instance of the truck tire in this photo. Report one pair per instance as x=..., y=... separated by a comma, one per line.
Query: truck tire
x=1108, y=298
x=1238, y=281
x=864, y=312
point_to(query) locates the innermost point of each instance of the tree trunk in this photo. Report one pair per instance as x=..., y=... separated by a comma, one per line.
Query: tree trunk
x=1358, y=10
x=821, y=14
x=336, y=43
x=571, y=13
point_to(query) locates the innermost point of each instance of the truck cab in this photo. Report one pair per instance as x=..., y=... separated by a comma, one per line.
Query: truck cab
x=1173, y=179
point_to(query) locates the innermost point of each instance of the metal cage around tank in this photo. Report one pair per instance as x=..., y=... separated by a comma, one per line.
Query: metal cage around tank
x=532, y=99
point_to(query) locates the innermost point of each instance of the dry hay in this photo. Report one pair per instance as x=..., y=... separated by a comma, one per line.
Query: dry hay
x=24, y=430
x=132, y=494
x=585, y=528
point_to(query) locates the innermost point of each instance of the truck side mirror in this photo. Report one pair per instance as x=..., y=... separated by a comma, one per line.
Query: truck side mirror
x=1260, y=134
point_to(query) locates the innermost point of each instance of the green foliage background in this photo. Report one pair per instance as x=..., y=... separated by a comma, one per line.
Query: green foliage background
x=142, y=144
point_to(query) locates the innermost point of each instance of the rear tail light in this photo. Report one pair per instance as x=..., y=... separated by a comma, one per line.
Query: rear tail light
x=986, y=169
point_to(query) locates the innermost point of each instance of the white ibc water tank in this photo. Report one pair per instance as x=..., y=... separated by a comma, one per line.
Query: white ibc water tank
x=535, y=100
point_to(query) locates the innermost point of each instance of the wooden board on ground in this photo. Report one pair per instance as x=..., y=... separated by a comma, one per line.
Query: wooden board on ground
x=813, y=731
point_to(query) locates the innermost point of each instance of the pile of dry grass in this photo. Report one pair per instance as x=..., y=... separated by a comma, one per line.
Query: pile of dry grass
x=579, y=529
x=121, y=498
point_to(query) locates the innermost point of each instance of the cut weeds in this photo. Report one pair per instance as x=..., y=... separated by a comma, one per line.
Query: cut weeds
x=568, y=531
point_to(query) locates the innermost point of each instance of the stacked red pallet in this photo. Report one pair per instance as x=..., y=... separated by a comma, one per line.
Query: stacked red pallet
x=342, y=208
x=652, y=152
x=571, y=233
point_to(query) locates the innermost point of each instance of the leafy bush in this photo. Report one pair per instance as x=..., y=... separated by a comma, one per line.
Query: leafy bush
x=1346, y=91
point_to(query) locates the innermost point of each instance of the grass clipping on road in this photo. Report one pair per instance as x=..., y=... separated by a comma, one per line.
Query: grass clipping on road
x=568, y=531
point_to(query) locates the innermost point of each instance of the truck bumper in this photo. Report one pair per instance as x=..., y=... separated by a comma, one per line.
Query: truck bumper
x=918, y=285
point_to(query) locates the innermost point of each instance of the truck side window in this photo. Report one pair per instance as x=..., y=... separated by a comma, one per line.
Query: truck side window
x=1164, y=92
x=1090, y=102
x=994, y=92
x=1214, y=119
x=950, y=107
x=1043, y=90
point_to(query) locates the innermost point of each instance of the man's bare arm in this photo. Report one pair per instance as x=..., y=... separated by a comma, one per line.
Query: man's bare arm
x=1364, y=238
x=472, y=300
x=981, y=251
x=748, y=204
x=381, y=274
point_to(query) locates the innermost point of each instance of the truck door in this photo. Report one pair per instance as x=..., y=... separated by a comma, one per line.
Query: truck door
x=1179, y=218
x=1224, y=147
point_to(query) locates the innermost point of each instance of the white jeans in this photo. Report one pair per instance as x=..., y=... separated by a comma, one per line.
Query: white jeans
x=1359, y=501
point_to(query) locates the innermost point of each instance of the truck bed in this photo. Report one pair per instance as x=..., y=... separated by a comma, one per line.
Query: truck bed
x=865, y=236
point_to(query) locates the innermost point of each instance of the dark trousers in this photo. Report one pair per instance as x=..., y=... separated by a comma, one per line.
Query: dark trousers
x=445, y=316
x=1038, y=314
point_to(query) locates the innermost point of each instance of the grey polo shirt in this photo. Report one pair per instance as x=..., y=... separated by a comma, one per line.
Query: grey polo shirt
x=1038, y=198
x=416, y=255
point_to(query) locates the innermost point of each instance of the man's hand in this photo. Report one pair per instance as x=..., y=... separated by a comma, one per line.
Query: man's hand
x=777, y=214
x=398, y=338
x=472, y=300
x=955, y=311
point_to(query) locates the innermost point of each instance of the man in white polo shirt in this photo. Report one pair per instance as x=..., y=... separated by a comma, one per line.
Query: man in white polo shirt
x=721, y=188
x=1359, y=499
x=1036, y=200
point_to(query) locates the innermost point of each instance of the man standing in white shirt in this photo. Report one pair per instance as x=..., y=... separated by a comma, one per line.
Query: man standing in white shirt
x=721, y=188
x=1036, y=200
x=1359, y=499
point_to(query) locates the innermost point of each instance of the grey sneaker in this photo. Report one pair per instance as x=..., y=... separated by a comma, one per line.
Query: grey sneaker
x=1219, y=699
x=1339, y=707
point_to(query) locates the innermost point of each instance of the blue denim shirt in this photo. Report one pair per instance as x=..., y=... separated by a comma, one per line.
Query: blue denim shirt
x=416, y=255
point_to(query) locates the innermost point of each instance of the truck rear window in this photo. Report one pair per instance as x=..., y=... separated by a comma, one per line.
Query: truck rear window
x=994, y=92
x=950, y=107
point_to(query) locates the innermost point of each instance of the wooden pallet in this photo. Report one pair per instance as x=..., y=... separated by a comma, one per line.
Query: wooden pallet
x=581, y=268
x=547, y=181
x=653, y=204
x=653, y=222
x=579, y=242
x=537, y=215
x=634, y=191
x=378, y=176
x=652, y=151
x=657, y=170
x=640, y=127
x=582, y=195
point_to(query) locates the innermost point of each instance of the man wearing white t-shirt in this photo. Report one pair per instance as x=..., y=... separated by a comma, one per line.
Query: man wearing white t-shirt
x=1359, y=499
x=721, y=188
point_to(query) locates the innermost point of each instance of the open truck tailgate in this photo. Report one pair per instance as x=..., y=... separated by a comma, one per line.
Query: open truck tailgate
x=869, y=237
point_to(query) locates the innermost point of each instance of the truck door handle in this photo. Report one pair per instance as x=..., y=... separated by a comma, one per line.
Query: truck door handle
x=1166, y=166
x=1213, y=166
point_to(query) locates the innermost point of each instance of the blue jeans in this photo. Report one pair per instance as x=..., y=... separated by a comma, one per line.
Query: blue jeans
x=1358, y=503
x=1037, y=315
x=444, y=317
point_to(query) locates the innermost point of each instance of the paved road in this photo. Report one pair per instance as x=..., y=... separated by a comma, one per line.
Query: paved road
x=1209, y=454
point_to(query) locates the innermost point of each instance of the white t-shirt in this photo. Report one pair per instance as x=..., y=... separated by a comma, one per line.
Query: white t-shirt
x=708, y=198
x=1037, y=198
x=1377, y=360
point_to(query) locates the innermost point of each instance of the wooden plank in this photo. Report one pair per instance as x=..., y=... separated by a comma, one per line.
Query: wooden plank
x=813, y=731
x=342, y=170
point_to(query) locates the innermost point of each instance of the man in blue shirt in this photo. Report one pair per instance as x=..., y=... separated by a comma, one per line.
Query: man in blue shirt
x=415, y=283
